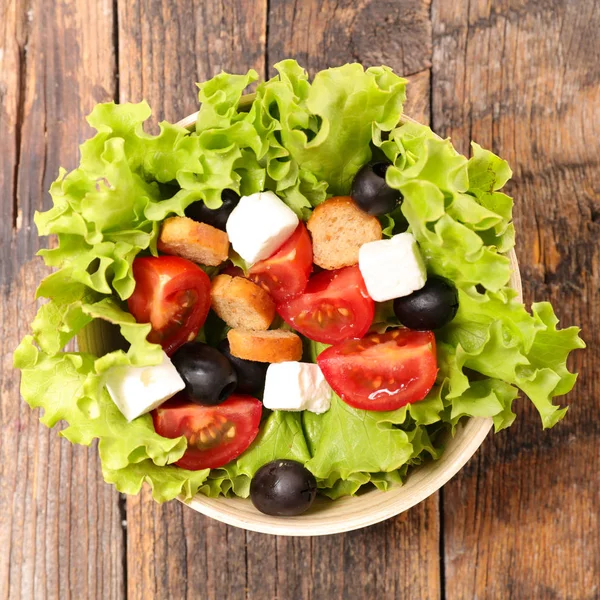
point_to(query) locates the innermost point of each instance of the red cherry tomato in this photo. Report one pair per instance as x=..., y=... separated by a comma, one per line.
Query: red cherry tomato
x=215, y=434
x=335, y=306
x=173, y=295
x=285, y=274
x=382, y=371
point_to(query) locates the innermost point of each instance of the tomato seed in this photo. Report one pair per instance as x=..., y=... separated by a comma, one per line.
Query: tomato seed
x=344, y=312
x=377, y=383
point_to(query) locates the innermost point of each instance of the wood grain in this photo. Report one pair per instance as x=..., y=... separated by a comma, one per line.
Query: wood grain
x=60, y=525
x=325, y=33
x=523, y=78
x=166, y=47
x=519, y=76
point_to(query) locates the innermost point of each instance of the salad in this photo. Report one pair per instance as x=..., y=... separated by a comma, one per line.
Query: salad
x=306, y=294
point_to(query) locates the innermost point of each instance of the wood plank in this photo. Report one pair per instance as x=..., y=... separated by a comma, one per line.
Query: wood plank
x=178, y=553
x=378, y=561
x=326, y=33
x=164, y=48
x=59, y=524
x=521, y=520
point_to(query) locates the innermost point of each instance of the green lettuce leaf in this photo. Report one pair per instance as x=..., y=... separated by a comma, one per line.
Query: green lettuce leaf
x=238, y=261
x=317, y=136
x=413, y=445
x=156, y=157
x=166, y=482
x=486, y=398
x=495, y=336
x=348, y=101
x=358, y=441
x=62, y=317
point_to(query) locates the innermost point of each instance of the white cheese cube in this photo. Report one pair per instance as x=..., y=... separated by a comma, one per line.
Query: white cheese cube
x=392, y=268
x=259, y=225
x=296, y=386
x=138, y=390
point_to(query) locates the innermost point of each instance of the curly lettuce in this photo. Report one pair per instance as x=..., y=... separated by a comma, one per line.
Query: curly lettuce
x=305, y=140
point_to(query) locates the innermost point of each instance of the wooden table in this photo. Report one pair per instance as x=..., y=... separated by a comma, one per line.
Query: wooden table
x=521, y=77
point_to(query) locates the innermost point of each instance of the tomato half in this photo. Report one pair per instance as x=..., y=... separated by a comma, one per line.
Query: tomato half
x=285, y=274
x=173, y=295
x=215, y=434
x=382, y=371
x=335, y=306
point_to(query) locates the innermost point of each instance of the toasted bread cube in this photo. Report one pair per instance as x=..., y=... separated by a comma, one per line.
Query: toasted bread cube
x=241, y=303
x=338, y=229
x=274, y=346
x=198, y=242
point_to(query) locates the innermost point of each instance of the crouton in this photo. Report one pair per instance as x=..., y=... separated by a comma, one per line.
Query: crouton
x=198, y=242
x=241, y=303
x=274, y=346
x=338, y=229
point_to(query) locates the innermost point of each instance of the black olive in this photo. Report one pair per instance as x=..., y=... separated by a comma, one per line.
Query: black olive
x=431, y=307
x=208, y=375
x=250, y=374
x=371, y=192
x=283, y=488
x=217, y=217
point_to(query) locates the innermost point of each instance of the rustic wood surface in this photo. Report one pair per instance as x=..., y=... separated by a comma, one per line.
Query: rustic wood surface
x=521, y=77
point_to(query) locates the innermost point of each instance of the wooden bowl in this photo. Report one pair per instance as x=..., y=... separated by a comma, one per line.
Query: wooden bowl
x=345, y=514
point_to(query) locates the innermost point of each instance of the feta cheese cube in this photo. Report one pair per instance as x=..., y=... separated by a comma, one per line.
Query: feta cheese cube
x=259, y=225
x=296, y=386
x=138, y=390
x=392, y=268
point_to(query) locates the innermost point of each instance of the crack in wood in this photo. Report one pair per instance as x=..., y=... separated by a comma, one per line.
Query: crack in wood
x=122, y=507
x=246, y=563
x=416, y=73
x=21, y=77
x=267, y=58
x=115, y=40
